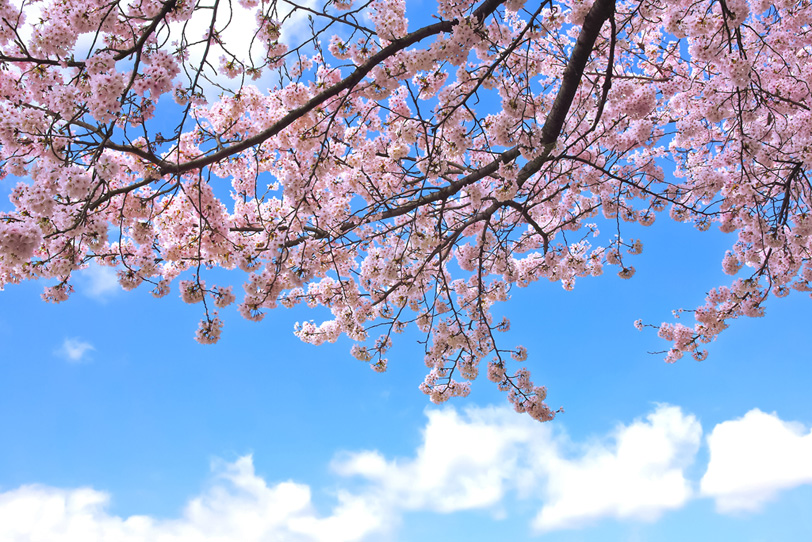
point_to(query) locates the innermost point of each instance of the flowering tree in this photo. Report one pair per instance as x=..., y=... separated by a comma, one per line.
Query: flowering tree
x=402, y=173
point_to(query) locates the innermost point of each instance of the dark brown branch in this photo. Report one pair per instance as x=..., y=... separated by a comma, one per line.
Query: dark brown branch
x=167, y=168
x=600, y=12
x=454, y=187
x=120, y=55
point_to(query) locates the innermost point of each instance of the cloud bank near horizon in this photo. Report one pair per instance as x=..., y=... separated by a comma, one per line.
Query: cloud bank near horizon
x=474, y=459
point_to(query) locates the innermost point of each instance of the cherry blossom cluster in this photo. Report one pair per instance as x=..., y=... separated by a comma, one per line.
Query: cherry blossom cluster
x=395, y=174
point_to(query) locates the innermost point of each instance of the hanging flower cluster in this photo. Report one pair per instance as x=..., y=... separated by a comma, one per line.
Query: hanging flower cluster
x=399, y=174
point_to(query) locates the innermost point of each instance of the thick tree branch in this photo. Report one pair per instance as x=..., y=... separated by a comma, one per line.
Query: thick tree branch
x=554, y=123
x=167, y=168
x=600, y=12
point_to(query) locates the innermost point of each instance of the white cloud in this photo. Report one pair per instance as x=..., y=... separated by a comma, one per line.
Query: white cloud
x=464, y=462
x=469, y=460
x=239, y=505
x=237, y=27
x=639, y=473
x=754, y=457
x=74, y=349
x=99, y=282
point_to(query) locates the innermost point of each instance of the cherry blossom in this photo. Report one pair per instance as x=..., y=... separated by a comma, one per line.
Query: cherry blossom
x=397, y=167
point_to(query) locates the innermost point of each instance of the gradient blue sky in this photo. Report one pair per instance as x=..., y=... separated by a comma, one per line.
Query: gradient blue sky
x=116, y=425
x=196, y=440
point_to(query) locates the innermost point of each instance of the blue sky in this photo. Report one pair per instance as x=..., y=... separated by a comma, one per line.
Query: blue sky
x=116, y=425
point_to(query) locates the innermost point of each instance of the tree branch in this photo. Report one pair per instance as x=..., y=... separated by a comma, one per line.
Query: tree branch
x=167, y=168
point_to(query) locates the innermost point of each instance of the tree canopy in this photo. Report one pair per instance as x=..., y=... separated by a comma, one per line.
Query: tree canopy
x=400, y=173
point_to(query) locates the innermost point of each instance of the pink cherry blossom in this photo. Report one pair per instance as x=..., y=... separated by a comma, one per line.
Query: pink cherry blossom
x=395, y=167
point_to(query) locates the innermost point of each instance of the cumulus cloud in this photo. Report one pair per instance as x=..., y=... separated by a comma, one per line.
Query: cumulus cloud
x=638, y=472
x=467, y=460
x=754, y=457
x=239, y=505
x=471, y=461
x=74, y=349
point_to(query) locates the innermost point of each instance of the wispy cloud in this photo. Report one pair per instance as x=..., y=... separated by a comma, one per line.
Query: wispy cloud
x=74, y=350
x=99, y=282
x=754, y=457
